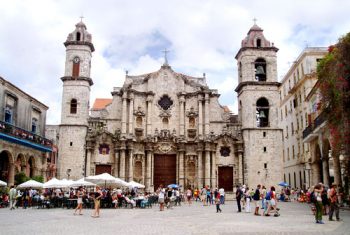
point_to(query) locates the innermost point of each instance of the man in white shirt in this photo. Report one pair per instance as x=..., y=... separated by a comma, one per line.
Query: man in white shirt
x=13, y=195
x=222, y=195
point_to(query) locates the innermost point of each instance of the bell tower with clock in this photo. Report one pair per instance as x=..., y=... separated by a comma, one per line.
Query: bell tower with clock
x=258, y=100
x=75, y=102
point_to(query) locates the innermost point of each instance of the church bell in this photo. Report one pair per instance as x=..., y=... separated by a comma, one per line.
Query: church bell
x=260, y=70
x=262, y=114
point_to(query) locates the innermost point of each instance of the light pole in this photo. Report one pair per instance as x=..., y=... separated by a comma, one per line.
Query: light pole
x=307, y=168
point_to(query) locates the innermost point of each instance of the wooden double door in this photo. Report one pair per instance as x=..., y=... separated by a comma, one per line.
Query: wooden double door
x=164, y=170
x=226, y=178
x=103, y=169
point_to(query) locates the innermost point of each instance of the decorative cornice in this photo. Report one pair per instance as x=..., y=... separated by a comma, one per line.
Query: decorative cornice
x=80, y=43
x=275, y=49
x=255, y=83
x=70, y=78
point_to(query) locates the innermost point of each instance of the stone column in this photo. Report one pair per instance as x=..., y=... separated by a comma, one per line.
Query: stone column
x=325, y=168
x=144, y=169
x=207, y=166
x=11, y=177
x=131, y=165
x=200, y=116
x=148, y=170
x=122, y=163
x=181, y=168
x=149, y=115
x=182, y=115
x=213, y=169
x=131, y=114
x=206, y=114
x=116, y=162
x=336, y=169
x=124, y=112
x=88, y=161
x=240, y=168
x=152, y=171
x=199, y=168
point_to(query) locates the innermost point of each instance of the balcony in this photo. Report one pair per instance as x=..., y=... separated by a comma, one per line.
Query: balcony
x=310, y=132
x=20, y=136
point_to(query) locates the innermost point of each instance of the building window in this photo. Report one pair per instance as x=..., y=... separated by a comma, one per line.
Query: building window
x=283, y=156
x=288, y=158
x=165, y=122
x=225, y=151
x=78, y=36
x=292, y=128
x=258, y=42
x=262, y=112
x=293, y=151
x=73, y=106
x=34, y=125
x=264, y=149
x=264, y=134
x=8, y=114
x=260, y=70
x=71, y=144
x=165, y=102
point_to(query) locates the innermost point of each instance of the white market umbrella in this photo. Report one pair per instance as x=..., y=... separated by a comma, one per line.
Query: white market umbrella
x=66, y=183
x=30, y=184
x=82, y=182
x=2, y=183
x=105, y=179
x=136, y=185
x=54, y=183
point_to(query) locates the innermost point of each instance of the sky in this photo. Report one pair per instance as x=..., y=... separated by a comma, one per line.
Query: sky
x=202, y=36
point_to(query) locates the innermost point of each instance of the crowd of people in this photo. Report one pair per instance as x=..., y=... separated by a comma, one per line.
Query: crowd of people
x=263, y=201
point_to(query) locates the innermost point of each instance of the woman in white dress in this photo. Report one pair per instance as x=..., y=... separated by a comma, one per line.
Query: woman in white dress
x=247, y=200
x=80, y=194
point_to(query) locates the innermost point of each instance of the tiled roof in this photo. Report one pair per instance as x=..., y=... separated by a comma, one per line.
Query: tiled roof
x=101, y=103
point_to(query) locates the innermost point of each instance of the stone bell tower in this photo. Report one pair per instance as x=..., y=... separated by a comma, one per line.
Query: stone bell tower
x=75, y=103
x=258, y=99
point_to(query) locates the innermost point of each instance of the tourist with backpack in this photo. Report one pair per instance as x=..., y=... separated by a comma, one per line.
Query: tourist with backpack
x=318, y=203
x=256, y=198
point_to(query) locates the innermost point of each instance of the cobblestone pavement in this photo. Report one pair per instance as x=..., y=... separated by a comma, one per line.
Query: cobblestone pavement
x=295, y=218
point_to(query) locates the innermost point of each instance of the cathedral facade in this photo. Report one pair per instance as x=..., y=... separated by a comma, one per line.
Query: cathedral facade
x=165, y=127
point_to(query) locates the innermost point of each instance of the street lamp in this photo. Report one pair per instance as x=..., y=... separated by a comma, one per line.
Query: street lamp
x=68, y=172
x=307, y=168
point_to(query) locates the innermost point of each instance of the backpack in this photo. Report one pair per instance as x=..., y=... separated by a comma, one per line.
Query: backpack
x=313, y=197
x=268, y=195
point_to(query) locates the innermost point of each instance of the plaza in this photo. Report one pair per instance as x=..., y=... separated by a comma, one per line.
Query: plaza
x=296, y=218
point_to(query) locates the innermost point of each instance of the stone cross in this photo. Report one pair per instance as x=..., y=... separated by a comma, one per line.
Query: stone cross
x=165, y=51
x=255, y=20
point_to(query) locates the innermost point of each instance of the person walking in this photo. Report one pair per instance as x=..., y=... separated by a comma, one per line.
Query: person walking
x=247, y=200
x=318, y=203
x=97, y=201
x=217, y=203
x=80, y=194
x=222, y=195
x=189, y=196
x=239, y=195
x=334, y=207
x=161, y=197
x=13, y=195
x=256, y=198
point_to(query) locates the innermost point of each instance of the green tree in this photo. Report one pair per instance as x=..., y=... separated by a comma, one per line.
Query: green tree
x=38, y=178
x=21, y=178
x=334, y=84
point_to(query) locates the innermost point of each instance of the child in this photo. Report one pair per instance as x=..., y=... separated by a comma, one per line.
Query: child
x=217, y=202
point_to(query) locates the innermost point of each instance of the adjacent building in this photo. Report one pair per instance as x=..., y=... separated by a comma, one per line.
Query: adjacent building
x=23, y=147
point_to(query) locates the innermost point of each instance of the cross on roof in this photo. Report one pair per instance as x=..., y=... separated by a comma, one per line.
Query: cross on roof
x=255, y=20
x=81, y=18
x=165, y=51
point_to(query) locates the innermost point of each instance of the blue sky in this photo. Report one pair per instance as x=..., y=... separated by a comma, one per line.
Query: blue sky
x=203, y=37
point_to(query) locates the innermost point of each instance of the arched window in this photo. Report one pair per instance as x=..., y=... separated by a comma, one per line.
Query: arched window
x=258, y=42
x=262, y=112
x=78, y=36
x=73, y=106
x=260, y=69
x=8, y=114
x=76, y=67
x=34, y=125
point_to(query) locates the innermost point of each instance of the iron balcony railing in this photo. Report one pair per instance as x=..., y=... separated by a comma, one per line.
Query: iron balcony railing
x=21, y=134
x=315, y=123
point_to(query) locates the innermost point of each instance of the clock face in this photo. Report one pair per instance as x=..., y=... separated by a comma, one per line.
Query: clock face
x=76, y=60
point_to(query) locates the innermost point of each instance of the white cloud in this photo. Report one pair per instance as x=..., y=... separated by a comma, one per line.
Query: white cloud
x=203, y=36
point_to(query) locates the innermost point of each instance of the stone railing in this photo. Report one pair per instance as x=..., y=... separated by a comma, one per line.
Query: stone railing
x=316, y=123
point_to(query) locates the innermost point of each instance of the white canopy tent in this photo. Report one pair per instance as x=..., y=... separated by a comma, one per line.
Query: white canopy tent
x=30, y=184
x=82, y=182
x=2, y=183
x=134, y=184
x=106, y=179
x=54, y=183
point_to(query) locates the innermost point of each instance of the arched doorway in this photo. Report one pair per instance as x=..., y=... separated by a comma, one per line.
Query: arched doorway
x=4, y=166
x=20, y=163
x=191, y=174
x=31, y=167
